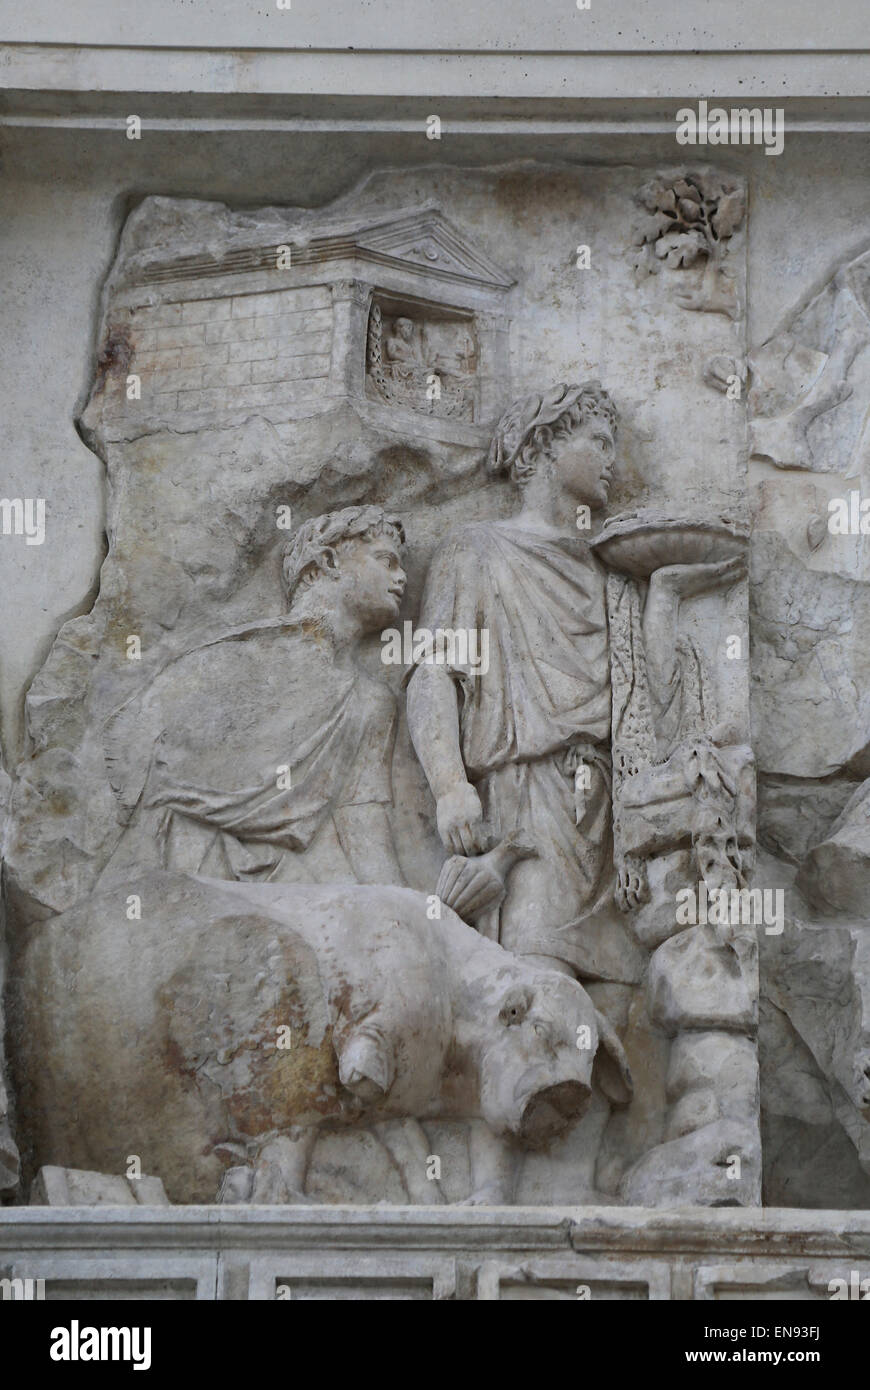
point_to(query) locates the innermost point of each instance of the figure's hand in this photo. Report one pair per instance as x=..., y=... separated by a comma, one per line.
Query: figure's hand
x=688, y=581
x=460, y=820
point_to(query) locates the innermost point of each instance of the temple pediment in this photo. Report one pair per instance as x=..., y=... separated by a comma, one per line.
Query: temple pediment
x=415, y=240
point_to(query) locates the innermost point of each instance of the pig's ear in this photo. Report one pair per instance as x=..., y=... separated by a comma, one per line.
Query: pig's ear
x=610, y=1068
x=515, y=1005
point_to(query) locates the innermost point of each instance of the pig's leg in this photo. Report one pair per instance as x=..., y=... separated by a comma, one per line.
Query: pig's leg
x=493, y=1168
x=407, y=1144
x=282, y=1167
x=235, y=1189
x=277, y=1176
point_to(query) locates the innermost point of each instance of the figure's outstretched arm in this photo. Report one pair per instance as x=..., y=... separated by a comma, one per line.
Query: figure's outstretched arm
x=668, y=587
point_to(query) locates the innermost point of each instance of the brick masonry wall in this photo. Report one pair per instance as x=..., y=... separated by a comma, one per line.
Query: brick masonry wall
x=232, y=352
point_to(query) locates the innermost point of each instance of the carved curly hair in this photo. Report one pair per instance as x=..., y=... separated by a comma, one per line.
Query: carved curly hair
x=305, y=556
x=525, y=431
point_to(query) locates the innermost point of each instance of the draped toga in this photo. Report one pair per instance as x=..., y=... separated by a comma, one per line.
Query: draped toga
x=256, y=736
x=535, y=728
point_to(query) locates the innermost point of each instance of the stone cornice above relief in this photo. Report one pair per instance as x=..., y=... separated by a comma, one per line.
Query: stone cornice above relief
x=611, y=84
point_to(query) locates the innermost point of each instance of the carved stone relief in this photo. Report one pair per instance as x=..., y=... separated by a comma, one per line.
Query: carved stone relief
x=810, y=382
x=421, y=361
x=471, y=923
x=808, y=405
x=686, y=220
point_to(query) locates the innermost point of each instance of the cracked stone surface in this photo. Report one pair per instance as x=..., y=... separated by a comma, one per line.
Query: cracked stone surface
x=456, y=632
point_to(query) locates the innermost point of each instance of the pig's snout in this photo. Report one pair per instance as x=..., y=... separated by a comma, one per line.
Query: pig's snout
x=549, y=1112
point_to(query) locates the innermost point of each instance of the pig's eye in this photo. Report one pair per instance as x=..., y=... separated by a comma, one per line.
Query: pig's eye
x=514, y=1007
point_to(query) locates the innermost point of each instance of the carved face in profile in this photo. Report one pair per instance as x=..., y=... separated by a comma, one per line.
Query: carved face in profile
x=583, y=461
x=371, y=579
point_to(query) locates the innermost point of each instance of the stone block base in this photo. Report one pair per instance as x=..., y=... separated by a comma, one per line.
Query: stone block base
x=403, y=1253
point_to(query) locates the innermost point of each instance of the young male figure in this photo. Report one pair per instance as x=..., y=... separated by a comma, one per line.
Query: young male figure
x=523, y=749
x=264, y=753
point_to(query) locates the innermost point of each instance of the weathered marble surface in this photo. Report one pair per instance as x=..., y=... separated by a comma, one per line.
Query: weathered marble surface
x=80, y=1187
x=263, y=374
x=404, y=423
x=262, y=1014
x=514, y=1253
